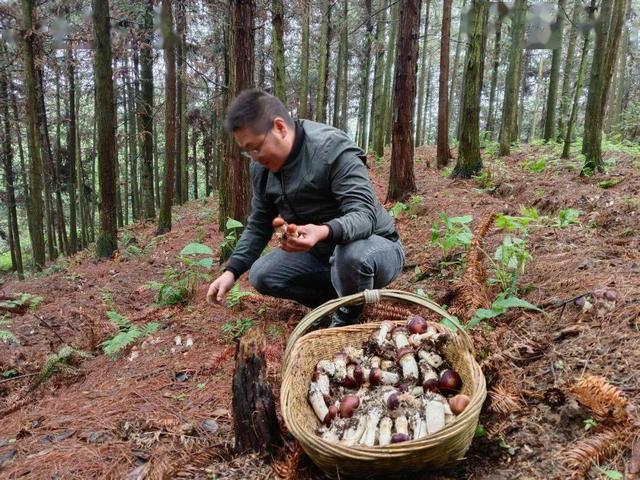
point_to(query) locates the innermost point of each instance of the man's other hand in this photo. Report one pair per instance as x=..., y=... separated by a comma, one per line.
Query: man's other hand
x=308, y=236
x=219, y=288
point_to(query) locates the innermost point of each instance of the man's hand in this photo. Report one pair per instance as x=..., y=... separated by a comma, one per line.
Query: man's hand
x=308, y=236
x=219, y=288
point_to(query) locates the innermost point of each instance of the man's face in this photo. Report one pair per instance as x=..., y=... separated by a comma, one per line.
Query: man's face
x=268, y=149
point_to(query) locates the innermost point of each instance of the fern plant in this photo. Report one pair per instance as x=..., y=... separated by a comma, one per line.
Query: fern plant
x=128, y=333
x=235, y=295
x=234, y=330
x=61, y=362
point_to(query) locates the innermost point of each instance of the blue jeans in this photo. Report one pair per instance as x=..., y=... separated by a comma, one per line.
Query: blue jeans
x=314, y=277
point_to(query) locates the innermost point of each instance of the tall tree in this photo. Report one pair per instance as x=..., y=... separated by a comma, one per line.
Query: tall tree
x=323, y=58
x=33, y=139
x=181, y=126
x=71, y=152
x=235, y=194
x=455, y=87
x=168, y=44
x=401, y=177
x=550, y=120
x=145, y=114
x=376, y=123
x=443, y=101
x=363, y=109
x=537, y=101
x=494, y=78
x=133, y=138
x=389, y=74
x=303, y=110
x=277, y=45
x=508, y=125
x=469, y=160
x=107, y=241
x=342, y=73
x=617, y=98
x=567, y=73
x=607, y=33
x=423, y=74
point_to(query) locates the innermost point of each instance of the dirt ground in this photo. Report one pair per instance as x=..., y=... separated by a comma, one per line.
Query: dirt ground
x=162, y=410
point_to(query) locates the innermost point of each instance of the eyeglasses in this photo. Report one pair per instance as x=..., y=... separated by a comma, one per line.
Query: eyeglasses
x=255, y=152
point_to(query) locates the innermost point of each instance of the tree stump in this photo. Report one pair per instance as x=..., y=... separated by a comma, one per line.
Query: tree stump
x=254, y=412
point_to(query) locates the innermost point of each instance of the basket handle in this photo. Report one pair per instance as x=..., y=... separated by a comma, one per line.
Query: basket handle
x=369, y=296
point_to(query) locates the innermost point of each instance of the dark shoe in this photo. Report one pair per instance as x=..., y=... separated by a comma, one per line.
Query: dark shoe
x=345, y=316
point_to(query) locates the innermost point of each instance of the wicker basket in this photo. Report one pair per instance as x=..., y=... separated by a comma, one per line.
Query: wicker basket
x=435, y=451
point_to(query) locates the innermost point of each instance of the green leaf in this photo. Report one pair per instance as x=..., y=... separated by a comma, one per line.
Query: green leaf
x=118, y=320
x=486, y=313
x=513, y=302
x=231, y=223
x=613, y=474
x=452, y=323
x=205, y=262
x=609, y=183
x=196, y=249
x=463, y=219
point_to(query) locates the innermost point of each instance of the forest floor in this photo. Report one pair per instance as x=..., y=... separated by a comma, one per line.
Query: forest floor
x=162, y=410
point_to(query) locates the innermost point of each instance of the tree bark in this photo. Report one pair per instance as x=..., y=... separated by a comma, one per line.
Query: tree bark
x=363, y=110
x=550, y=120
x=401, y=177
x=323, y=58
x=576, y=97
x=454, y=87
x=169, y=42
x=376, y=123
x=71, y=153
x=277, y=45
x=255, y=422
x=133, y=142
x=537, y=102
x=494, y=79
x=508, y=130
x=567, y=74
x=180, y=125
x=469, y=160
x=107, y=241
x=33, y=141
x=423, y=75
x=342, y=74
x=616, y=105
x=304, y=61
x=443, y=101
x=145, y=115
x=389, y=74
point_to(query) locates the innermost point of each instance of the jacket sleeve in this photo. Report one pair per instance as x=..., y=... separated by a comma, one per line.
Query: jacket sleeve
x=257, y=232
x=352, y=189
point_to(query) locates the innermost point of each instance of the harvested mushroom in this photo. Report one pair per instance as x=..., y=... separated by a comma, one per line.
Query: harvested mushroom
x=322, y=380
x=380, y=377
x=340, y=361
x=280, y=227
x=326, y=366
x=384, y=433
x=434, y=415
x=317, y=401
x=417, y=324
x=427, y=372
x=402, y=425
x=408, y=363
x=432, y=358
x=353, y=434
x=418, y=426
x=380, y=335
x=400, y=337
x=373, y=417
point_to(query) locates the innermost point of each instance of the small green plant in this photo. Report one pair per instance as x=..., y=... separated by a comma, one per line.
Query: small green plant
x=510, y=258
x=65, y=360
x=12, y=372
x=234, y=330
x=178, y=285
x=127, y=334
x=398, y=209
x=235, y=296
x=275, y=332
x=503, y=302
x=566, y=217
x=609, y=183
x=451, y=232
x=5, y=335
x=611, y=474
x=589, y=423
x=630, y=204
x=484, y=180
x=232, y=227
x=32, y=301
x=537, y=166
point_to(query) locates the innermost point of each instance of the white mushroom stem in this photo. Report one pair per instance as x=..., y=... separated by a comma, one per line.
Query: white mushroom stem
x=448, y=414
x=402, y=425
x=316, y=399
x=418, y=339
x=387, y=364
x=427, y=372
x=381, y=335
x=384, y=434
x=326, y=366
x=408, y=399
x=418, y=426
x=374, y=362
x=340, y=361
x=434, y=415
x=322, y=381
x=399, y=335
x=432, y=358
x=281, y=231
x=354, y=354
x=330, y=435
x=417, y=391
x=408, y=363
x=354, y=434
x=369, y=437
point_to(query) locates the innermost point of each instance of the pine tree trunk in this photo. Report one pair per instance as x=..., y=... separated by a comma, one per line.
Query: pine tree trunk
x=376, y=123
x=194, y=142
x=71, y=153
x=169, y=42
x=538, y=101
x=508, y=133
x=133, y=144
x=550, y=120
x=179, y=161
x=62, y=228
x=304, y=61
x=576, y=97
x=494, y=79
x=277, y=44
x=363, y=110
x=469, y=160
x=607, y=32
x=616, y=107
x=423, y=74
x=145, y=116
x=7, y=154
x=401, y=176
x=389, y=73
x=126, y=107
x=184, y=143
x=107, y=241
x=33, y=142
x=342, y=74
x=323, y=58
x=524, y=69
x=567, y=74
x=454, y=87
x=443, y=101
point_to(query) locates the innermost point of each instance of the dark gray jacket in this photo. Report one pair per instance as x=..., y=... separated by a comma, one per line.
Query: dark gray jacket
x=323, y=181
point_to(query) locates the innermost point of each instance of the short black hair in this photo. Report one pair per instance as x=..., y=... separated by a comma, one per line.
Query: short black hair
x=255, y=109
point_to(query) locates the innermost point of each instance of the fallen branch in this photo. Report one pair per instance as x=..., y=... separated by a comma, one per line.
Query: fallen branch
x=18, y=377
